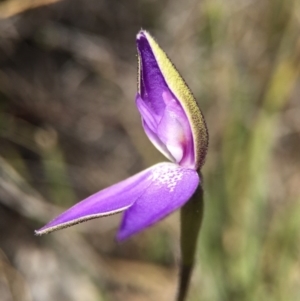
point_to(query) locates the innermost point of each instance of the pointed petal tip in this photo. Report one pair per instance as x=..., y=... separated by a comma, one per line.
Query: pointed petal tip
x=51, y=228
x=141, y=34
x=56, y=224
x=45, y=230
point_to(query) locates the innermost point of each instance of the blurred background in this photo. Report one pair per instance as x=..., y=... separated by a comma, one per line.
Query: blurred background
x=69, y=127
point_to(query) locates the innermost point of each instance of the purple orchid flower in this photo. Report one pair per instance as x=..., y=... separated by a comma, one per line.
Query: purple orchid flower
x=175, y=125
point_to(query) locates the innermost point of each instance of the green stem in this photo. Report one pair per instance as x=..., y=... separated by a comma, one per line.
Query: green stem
x=190, y=217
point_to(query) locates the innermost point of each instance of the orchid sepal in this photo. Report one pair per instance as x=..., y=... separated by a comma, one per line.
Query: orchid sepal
x=160, y=84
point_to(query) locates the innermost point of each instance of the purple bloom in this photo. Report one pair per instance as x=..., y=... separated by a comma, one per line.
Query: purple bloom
x=175, y=125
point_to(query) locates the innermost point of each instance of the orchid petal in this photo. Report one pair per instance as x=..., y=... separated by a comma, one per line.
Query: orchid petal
x=150, y=125
x=113, y=199
x=171, y=187
x=175, y=132
x=148, y=115
x=151, y=81
x=158, y=77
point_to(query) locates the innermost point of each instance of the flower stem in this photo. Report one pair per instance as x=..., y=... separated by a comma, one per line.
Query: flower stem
x=190, y=218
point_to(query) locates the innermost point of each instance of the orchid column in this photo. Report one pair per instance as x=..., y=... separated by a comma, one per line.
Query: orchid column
x=175, y=125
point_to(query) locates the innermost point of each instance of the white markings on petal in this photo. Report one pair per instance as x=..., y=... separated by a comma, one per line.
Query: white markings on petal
x=167, y=175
